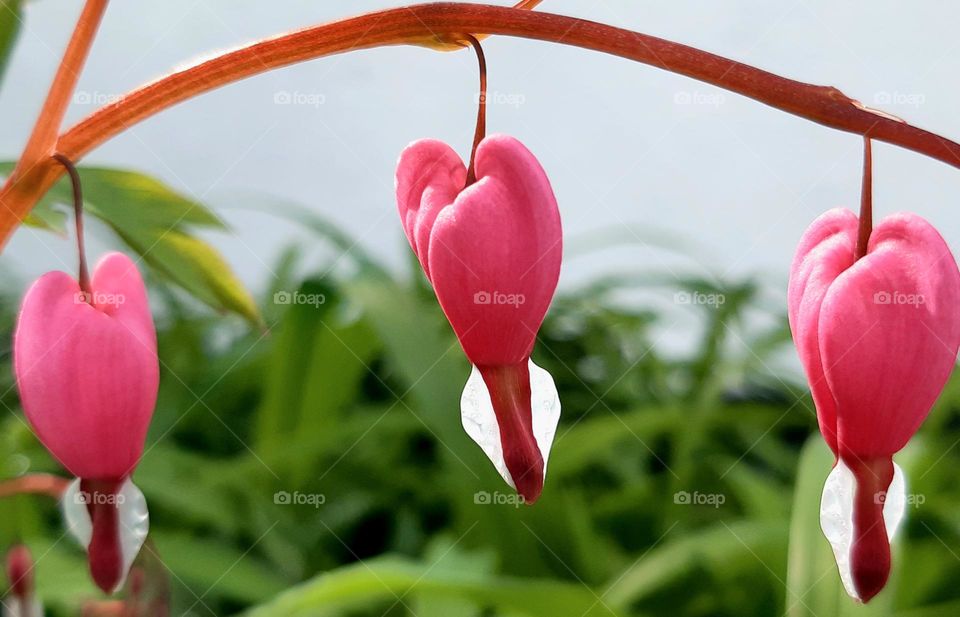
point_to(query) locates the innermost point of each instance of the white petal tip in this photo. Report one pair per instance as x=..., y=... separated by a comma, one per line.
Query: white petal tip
x=836, y=515
x=480, y=421
x=22, y=607
x=134, y=520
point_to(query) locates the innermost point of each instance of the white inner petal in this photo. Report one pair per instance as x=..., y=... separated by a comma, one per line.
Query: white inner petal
x=836, y=515
x=14, y=606
x=134, y=520
x=480, y=421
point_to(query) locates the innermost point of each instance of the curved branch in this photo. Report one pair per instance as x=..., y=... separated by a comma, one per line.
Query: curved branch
x=35, y=483
x=438, y=25
x=45, y=131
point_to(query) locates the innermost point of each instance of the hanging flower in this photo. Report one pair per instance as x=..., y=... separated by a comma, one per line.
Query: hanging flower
x=492, y=251
x=878, y=338
x=22, y=600
x=87, y=370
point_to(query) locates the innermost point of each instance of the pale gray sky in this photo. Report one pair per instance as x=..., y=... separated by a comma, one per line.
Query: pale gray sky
x=622, y=142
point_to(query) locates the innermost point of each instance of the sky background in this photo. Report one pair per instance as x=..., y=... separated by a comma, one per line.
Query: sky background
x=627, y=146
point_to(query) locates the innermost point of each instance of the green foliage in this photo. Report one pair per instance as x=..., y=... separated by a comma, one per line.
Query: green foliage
x=159, y=224
x=318, y=466
x=11, y=15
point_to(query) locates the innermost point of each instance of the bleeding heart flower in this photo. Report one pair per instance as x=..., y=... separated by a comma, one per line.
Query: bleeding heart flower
x=492, y=251
x=87, y=370
x=22, y=601
x=878, y=338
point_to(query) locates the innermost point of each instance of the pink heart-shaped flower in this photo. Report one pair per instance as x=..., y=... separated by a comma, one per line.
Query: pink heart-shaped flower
x=88, y=371
x=878, y=338
x=492, y=251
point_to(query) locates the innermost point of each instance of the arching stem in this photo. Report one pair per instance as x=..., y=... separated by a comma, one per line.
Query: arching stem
x=430, y=25
x=866, y=201
x=83, y=274
x=47, y=128
x=34, y=484
x=481, y=129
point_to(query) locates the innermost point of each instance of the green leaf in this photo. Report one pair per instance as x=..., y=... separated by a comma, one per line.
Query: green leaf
x=156, y=222
x=320, y=356
x=216, y=569
x=723, y=547
x=947, y=609
x=197, y=267
x=11, y=18
x=384, y=579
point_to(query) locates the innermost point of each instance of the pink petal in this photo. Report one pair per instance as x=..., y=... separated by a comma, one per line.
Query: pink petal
x=889, y=335
x=88, y=375
x=429, y=177
x=495, y=254
x=826, y=250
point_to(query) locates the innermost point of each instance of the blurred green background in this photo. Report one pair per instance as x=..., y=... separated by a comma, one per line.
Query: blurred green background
x=309, y=460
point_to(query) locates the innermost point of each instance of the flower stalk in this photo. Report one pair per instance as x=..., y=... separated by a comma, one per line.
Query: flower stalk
x=866, y=201
x=47, y=128
x=83, y=273
x=481, y=131
x=27, y=183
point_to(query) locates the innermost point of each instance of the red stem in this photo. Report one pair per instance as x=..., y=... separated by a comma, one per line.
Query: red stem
x=35, y=483
x=866, y=201
x=481, y=129
x=83, y=274
x=45, y=131
x=434, y=25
